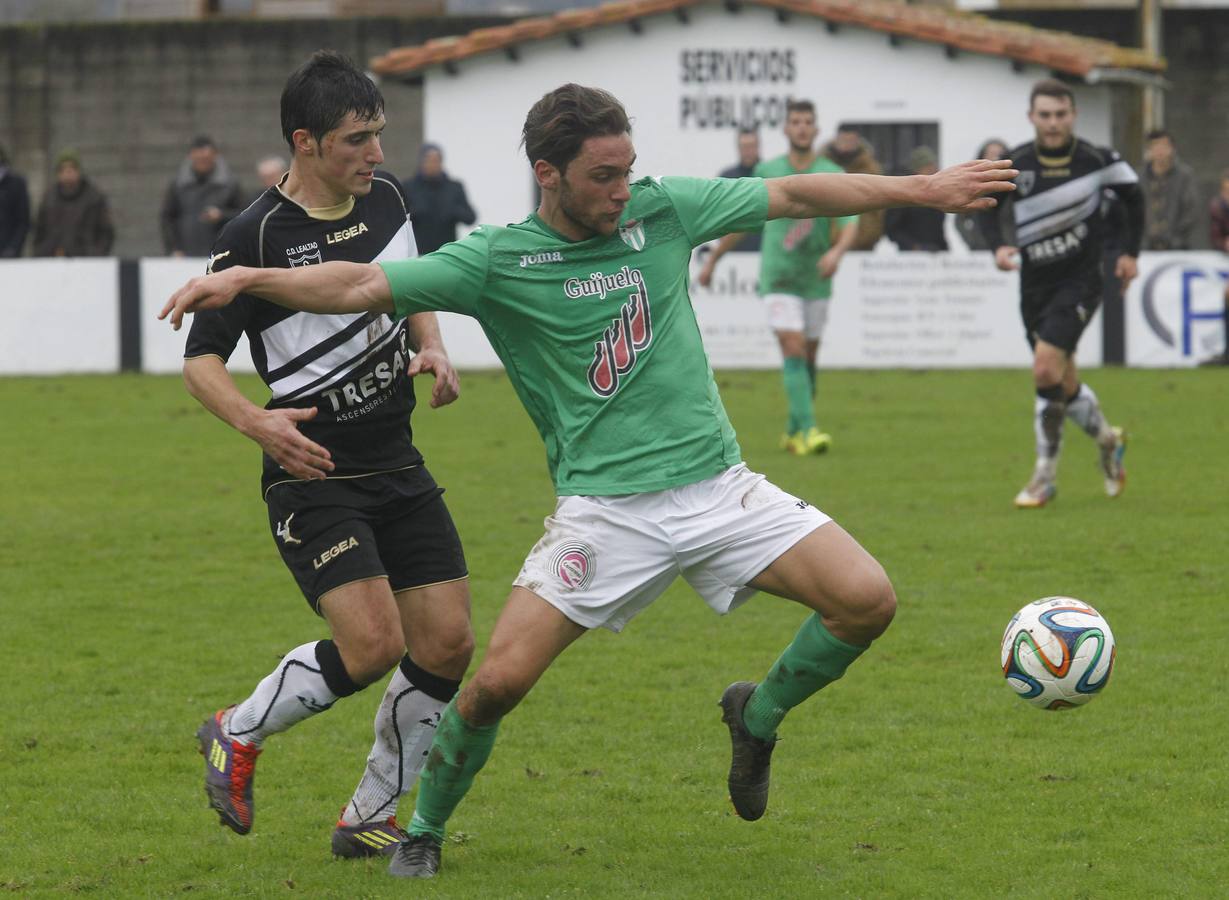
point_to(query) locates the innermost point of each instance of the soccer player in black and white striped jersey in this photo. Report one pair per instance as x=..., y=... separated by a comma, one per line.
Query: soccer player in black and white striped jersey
x=355, y=514
x=1056, y=216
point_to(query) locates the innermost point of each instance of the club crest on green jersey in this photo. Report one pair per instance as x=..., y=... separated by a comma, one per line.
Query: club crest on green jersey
x=632, y=232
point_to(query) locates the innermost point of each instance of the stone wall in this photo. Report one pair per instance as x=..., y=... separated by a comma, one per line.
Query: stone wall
x=129, y=98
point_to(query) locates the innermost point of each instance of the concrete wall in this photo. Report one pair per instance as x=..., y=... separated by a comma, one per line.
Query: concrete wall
x=128, y=98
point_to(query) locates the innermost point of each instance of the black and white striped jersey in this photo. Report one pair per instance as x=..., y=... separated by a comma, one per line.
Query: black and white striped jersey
x=350, y=367
x=1055, y=211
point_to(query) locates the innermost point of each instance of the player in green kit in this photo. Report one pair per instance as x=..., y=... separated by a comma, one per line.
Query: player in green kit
x=798, y=259
x=586, y=304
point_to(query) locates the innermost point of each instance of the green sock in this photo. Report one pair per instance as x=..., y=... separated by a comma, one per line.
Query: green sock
x=458, y=751
x=798, y=393
x=813, y=660
x=814, y=376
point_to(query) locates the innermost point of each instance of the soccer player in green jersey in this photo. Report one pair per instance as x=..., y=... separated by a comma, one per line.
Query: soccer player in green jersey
x=798, y=259
x=586, y=304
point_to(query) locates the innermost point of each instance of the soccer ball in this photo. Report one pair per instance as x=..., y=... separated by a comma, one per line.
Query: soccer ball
x=1057, y=652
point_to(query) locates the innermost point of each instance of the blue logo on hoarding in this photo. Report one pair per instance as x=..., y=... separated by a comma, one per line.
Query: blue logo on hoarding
x=1189, y=276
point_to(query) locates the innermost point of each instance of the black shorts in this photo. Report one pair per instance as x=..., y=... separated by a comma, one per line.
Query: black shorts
x=1059, y=313
x=341, y=530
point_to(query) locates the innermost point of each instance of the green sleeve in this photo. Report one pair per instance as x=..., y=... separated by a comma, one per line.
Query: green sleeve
x=711, y=207
x=450, y=279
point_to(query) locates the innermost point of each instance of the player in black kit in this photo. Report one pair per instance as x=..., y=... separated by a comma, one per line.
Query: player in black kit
x=1056, y=217
x=357, y=517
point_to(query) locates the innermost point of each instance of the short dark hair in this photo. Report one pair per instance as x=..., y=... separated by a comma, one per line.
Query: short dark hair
x=753, y=132
x=1157, y=133
x=202, y=140
x=1050, y=87
x=323, y=91
x=559, y=123
x=803, y=106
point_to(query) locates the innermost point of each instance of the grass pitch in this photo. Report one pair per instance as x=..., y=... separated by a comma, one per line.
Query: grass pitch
x=140, y=590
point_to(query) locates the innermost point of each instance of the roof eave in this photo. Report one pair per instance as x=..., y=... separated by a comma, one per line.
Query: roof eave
x=1115, y=75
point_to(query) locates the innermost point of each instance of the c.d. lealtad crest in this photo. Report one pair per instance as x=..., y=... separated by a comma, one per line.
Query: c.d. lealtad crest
x=305, y=260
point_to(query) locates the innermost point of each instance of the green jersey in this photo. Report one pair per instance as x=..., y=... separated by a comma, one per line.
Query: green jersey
x=598, y=336
x=792, y=247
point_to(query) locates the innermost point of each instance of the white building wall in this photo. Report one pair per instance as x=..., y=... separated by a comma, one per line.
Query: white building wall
x=854, y=74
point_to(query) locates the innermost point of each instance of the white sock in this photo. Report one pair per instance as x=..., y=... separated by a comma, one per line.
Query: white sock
x=292, y=692
x=405, y=725
x=1085, y=410
x=1048, y=427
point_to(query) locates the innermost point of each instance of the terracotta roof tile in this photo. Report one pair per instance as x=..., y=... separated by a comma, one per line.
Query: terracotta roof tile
x=976, y=34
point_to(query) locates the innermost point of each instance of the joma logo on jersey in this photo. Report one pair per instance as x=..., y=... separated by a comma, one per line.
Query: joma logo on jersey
x=614, y=354
x=599, y=284
x=335, y=551
x=346, y=233
x=534, y=259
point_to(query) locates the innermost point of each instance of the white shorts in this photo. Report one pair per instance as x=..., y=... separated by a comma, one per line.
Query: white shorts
x=787, y=312
x=604, y=559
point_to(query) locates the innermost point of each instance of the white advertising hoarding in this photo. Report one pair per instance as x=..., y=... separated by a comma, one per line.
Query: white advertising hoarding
x=889, y=310
x=1175, y=309
x=60, y=316
x=161, y=348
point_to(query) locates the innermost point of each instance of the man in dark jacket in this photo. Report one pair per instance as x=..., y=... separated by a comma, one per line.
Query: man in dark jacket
x=917, y=228
x=748, y=159
x=74, y=219
x=14, y=209
x=853, y=154
x=1169, y=192
x=437, y=203
x=1218, y=238
x=202, y=197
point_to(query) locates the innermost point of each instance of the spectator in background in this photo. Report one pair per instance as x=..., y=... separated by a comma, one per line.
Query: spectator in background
x=437, y=203
x=849, y=151
x=14, y=209
x=1218, y=236
x=1169, y=194
x=269, y=171
x=203, y=196
x=917, y=228
x=73, y=219
x=967, y=225
x=748, y=159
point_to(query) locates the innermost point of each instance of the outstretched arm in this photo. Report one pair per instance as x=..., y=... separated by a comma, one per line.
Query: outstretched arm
x=333, y=287
x=967, y=187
